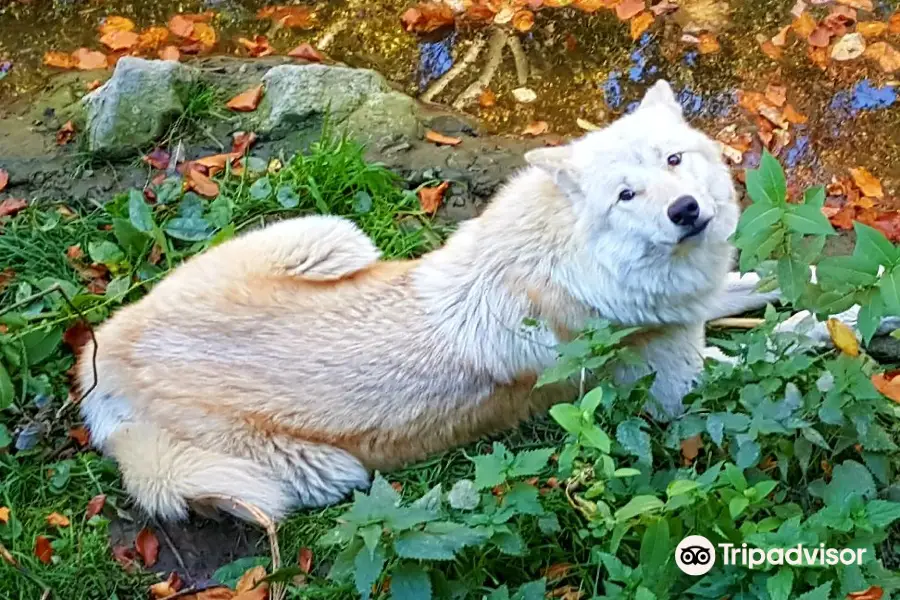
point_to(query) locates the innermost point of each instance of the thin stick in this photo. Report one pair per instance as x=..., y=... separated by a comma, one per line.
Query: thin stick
x=172, y=548
x=495, y=56
x=515, y=45
x=737, y=322
x=455, y=71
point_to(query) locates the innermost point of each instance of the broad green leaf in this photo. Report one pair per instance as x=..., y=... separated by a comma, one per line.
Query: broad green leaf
x=548, y=524
x=410, y=581
x=841, y=272
x=261, y=189
x=40, y=345
x=423, y=546
x=221, y=211
x=594, y=437
x=533, y=590
x=105, y=252
x=117, y=288
x=509, y=542
x=139, y=212
x=766, y=185
x=367, y=569
x=594, y=398
x=656, y=546
x=871, y=245
x=501, y=593
x=748, y=454
x=832, y=303
x=568, y=416
x=430, y=500
x=523, y=498
x=490, y=469
x=813, y=436
x=6, y=439
x=371, y=536
x=7, y=392
x=464, y=495
x=287, y=197
x=882, y=513
x=780, y=585
x=362, y=202
x=643, y=593
x=815, y=196
x=639, y=505
x=890, y=291
x=132, y=241
x=189, y=229
x=758, y=218
x=823, y=592
x=807, y=219
x=231, y=573
x=615, y=568
x=737, y=505
x=735, y=477
x=870, y=314
x=792, y=277
x=848, y=479
x=530, y=462
x=634, y=439
x=681, y=486
x=626, y=472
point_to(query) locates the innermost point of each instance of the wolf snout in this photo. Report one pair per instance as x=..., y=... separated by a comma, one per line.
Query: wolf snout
x=684, y=211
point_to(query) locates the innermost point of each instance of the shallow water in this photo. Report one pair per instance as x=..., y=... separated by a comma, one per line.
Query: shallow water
x=580, y=66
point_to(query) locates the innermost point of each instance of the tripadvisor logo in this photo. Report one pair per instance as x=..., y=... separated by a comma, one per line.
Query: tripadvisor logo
x=695, y=555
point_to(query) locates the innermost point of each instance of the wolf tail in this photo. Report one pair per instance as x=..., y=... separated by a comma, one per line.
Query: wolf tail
x=163, y=474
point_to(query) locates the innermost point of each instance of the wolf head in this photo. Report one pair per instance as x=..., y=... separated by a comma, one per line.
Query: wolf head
x=648, y=178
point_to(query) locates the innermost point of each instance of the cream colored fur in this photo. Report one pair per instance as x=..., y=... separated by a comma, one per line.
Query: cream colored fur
x=281, y=367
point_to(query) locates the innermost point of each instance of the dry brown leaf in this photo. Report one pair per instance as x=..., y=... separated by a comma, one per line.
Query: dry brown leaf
x=158, y=159
x=839, y=20
x=166, y=588
x=258, y=46
x=894, y=24
x=60, y=60
x=780, y=38
x=204, y=35
x=426, y=17
x=536, y=128
x=859, y=4
x=791, y=115
x=57, y=520
x=242, y=141
x=201, y=184
x=871, y=593
x=43, y=550
x=776, y=94
x=65, y=133
x=818, y=56
x=246, y=101
x=843, y=337
x=566, y=592
x=557, y=571
x=641, y=23
x=440, y=138
x=304, y=560
x=771, y=50
x=820, y=37
x=849, y=47
x=258, y=593
x=147, y=546
x=804, y=25
x=88, y=60
x=871, y=29
x=94, y=506
x=11, y=206
x=216, y=593
x=431, y=197
x=867, y=183
x=217, y=162
x=113, y=23
x=307, y=52
x=125, y=557
x=250, y=578
x=118, y=41
x=487, y=99
x=170, y=53
x=523, y=21
x=4, y=179
x=4, y=515
x=708, y=44
x=887, y=57
x=590, y=6
x=181, y=26
x=888, y=384
x=627, y=9
x=292, y=17
x=80, y=434
x=690, y=448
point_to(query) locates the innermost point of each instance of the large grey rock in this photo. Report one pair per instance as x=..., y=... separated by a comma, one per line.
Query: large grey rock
x=136, y=106
x=359, y=101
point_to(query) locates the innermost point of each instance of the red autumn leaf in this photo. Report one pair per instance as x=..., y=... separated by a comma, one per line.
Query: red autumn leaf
x=304, y=560
x=170, y=53
x=690, y=448
x=11, y=206
x=258, y=46
x=88, y=60
x=80, y=435
x=536, y=128
x=181, y=26
x=242, y=141
x=426, y=17
x=200, y=183
x=629, y=8
x=4, y=179
x=871, y=593
x=246, y=101
x=431, y=197
x=147, y=546
x=124, y=556
x=440, y=138
x=158, y=159
x=65, y=133
x=43, y=550
x=307, y=52
x=94, y=506
x=60, y=60
x=118, y=41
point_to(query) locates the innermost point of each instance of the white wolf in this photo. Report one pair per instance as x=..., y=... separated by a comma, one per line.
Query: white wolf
x=281, y=367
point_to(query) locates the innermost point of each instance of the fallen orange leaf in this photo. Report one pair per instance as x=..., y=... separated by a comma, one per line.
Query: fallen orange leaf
x=93, y=85
x=152, y=38
x=57, y=520
x=769, y=48
x=95, y=506
x=819, y=56
x=250, y=578
x=708, y=43
x=487, y=99
x=440, y=138
x=820, y=37
x=780, y=38
x=426, y=17
x=871, y=593
x=430, y=198
x=4, y=515
x=205, y=35
x=120, y=40
x=590, y=6
x=4, y=179
x=629, y=8
x=113, y=23
x=894, y=24
x=867, y=183
x=246, y=101
x=166, y=588
x=793, y=116
x=641, y=23
x=776, y=94
x=307, y=52
x=11, y=206
x=566, y=592
x=80, y=434
x=170, y=53
x=65, y=133
x=260, y=592
x=556, y=571
x=147, y=546
x=241, y=142
x=181, y=26
x=523, y=21
x=804, y=25
x=217, y=162
x=88, y=60
x=43, y=550
x=536, y=128
x=258, y=46
x=843, y=337
x=690, y=448
x=292, y=17
x=887, y=57
x=60, y=60
x=871, y=29
x=888, y=384
x=201, y=184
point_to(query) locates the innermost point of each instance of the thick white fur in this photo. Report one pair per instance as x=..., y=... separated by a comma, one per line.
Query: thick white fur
x=280, y=367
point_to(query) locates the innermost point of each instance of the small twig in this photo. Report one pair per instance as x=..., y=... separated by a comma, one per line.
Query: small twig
x=737, y=322
x=515, y=45
x=10, y=559
x=440, y=84
x=46, y=594
x=495, y=56
x=173, y=549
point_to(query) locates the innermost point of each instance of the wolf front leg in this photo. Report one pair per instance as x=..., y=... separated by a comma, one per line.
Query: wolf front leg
x=739, y=296
x=675, y=354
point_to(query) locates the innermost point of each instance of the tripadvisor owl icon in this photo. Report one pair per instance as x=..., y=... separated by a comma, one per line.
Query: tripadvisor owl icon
x=695, y=555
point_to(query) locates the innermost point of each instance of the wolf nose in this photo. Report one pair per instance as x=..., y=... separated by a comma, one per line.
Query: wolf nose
x=684, y=211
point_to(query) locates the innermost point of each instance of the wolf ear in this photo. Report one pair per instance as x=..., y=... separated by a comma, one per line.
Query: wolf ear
x=660, y=95
x=557, y=162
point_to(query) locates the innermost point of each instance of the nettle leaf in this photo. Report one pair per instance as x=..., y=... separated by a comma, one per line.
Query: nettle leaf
x=530, y=462
x=509, y=542
x=871, y=245
x=757, y=219
x=639, y=505
x=548, y=524
x=368, y=567
x=371, y=536
x=793, y=276
x=189, y=229
x=767, y=185
x=890, y=291
x=882, y=513
x=631, y=435
x=105, y=252
x=410, y=581
x=823, y=592
x=807, y=219
x=139, y=212
x=523, y=498
x=438, y=541
x=780, y=585
x=870, y=314
x=464, y=495
x=490, y=469
x=431, y=500
x=848, y=480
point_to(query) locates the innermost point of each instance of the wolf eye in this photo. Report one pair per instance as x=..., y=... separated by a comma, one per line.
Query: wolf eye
x=626, y=195
x=674, y=159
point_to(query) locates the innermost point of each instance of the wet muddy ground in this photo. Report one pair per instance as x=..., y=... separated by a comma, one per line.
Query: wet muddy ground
x=583, y=67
